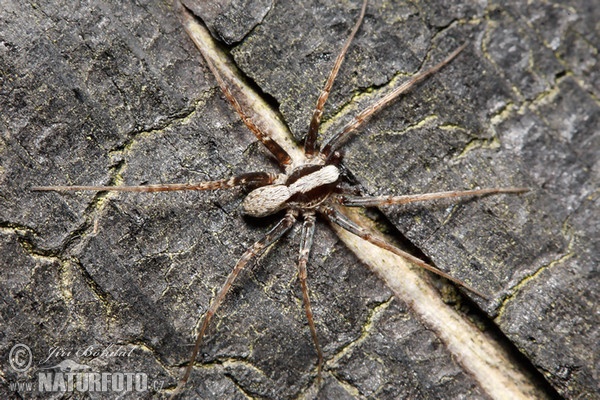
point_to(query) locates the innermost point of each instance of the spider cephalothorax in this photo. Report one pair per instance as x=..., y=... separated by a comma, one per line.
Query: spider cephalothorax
x=311, y=185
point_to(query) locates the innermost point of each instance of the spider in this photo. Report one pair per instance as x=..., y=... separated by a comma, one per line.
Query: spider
x=311, y=183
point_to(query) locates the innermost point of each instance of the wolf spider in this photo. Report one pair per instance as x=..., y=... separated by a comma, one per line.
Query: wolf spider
x=312, y=185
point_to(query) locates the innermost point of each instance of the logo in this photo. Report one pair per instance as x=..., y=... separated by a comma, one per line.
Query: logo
x=65, y=373
x=20, y=357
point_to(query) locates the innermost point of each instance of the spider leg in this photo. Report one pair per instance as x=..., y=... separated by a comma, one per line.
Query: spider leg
x=310, y=143
x=190, y=26
x=335, y=140
x=255, y=178
x=375, y=201
x=257, y=249
x=308, y=229
x=334, y=216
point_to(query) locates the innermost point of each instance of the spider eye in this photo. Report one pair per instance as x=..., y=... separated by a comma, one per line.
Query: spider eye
x=266, y=200
x=335, y=158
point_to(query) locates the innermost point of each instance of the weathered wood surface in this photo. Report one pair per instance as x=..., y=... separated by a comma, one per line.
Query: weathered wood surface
x=100, y=93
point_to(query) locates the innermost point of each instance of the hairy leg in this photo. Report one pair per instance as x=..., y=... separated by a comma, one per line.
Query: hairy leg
x=257, y=248
x=310, y=143
x=334, y=141
x=255, y=178
x=376, y=201
x=333, y=215
x=188, y=22
x=308, y=229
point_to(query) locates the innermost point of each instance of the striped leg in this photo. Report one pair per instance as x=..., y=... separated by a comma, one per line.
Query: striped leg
x=334, y=141
x=338, y=218
x=190, y=24
x=254, y=178
x=308, y=229
x=271, y=237
x=376, y=201
x=310, y=143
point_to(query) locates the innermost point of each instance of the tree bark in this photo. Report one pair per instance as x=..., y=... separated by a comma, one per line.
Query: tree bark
x=117, y=94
